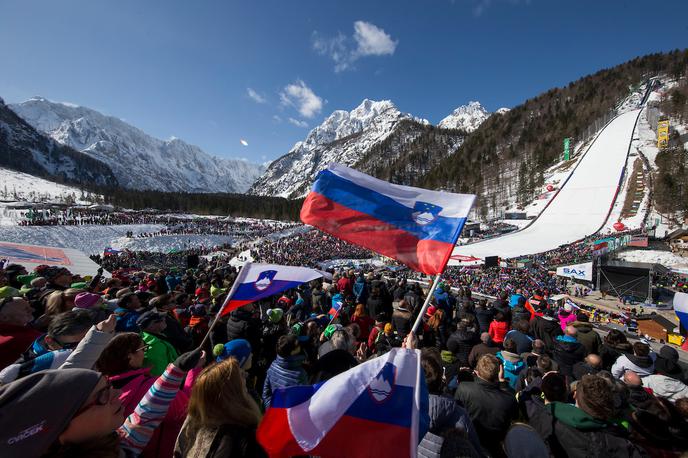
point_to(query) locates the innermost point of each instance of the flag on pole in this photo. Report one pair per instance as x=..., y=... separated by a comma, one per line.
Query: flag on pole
x=415, y=226
x=258, y=281
x=378, y=408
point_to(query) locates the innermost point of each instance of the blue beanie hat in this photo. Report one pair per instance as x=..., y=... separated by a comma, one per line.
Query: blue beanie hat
x=237, y=348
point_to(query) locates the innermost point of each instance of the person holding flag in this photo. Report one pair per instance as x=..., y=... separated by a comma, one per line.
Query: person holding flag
x=381, y=402
x=415, y=226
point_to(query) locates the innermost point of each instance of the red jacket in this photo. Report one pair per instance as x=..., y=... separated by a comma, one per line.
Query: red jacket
x=498, y=330
x=365, y=323
x=345, y=286
x=14, y=340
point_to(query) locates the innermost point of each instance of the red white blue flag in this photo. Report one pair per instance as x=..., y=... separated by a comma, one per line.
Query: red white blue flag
x=378, y=408
x=415, y=226
x=258, y=281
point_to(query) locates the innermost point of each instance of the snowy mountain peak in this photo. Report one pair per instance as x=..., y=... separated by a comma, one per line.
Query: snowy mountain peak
x=342, y=123
x=343, y=137
x=466, y=117
x=138, y=160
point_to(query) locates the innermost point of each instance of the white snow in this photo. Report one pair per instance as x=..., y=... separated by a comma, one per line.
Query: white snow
x=22, y=186
x=345, y=138
x=138, y=160
x=167, y=243
x=582, y=205
x=666, y=258
x=89, y=239
x=466, y=117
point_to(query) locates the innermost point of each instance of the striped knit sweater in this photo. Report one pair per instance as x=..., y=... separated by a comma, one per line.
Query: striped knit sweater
x=138, y=428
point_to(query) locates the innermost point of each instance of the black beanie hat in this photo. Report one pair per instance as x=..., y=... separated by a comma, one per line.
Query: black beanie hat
x=34, y=410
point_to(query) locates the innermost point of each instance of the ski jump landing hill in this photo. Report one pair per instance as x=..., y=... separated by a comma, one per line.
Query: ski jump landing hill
x=581, y=207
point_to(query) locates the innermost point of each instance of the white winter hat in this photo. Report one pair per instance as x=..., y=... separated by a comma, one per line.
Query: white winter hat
x=568, y=307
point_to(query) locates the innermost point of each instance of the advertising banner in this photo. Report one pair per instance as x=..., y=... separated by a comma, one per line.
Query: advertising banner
x=638, y=240
x=578, y=271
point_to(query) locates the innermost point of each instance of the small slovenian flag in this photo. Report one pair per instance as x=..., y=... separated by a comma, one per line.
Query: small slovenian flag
x=378, y=408
x=258, y=281
x=415, y=226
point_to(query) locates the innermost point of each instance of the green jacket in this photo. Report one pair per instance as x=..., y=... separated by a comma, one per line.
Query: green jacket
x=574, y=417
x=159, y=354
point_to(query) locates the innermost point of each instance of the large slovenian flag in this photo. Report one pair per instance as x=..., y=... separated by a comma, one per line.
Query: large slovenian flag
x=379, y=408
x=258, y=281
x=415, y=226
x=681, y=308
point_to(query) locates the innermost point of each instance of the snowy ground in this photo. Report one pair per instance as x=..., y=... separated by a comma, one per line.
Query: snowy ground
x=22, y=186
x=89, y=239
x=582, y=205
x=666, y=258
x=167, y=243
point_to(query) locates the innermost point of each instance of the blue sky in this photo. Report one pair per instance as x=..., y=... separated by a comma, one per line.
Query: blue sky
x=215, y=72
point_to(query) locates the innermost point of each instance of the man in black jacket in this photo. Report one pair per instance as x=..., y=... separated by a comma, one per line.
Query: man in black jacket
x=490, y=402
x=546, y=328
x=568, y=351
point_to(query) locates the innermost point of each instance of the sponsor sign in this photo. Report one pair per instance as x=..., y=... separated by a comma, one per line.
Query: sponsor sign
x=578, y=271
x=638, y=240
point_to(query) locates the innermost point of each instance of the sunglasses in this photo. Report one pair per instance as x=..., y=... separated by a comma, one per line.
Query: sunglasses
x=102, y=398
x=144, y=348
x=66, y=346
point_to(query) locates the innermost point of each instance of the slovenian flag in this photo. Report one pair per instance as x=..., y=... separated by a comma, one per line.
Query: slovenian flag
x=415, y=226
x=258, y=281
x=681, y=308
x=378, y=408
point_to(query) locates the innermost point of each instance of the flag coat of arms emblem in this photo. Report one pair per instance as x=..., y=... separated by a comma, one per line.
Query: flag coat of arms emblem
x=378, y=408
x=258, y=281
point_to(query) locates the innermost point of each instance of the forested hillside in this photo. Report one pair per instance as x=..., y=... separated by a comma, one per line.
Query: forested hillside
x=508, y=153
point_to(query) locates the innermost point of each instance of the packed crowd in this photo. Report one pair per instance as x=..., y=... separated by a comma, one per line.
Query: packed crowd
x=309, y=249
x=121, y=367
x=574, y=253
x=78, y=217
x=493, y=280
x=152, y=260
x=174, y=224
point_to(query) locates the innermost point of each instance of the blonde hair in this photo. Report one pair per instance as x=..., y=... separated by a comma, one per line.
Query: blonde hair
x=219, y=397
x=61, y=301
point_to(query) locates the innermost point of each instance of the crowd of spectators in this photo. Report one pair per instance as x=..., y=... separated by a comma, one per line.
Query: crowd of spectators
x=121, y=367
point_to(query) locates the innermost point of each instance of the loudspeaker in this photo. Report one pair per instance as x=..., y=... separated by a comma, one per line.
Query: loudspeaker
x=491, y=261
x=192, y=261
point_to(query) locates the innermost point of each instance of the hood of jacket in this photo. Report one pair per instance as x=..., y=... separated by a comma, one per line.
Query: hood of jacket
x=582, y=326
x=574, y=417
x=512, y=362
x=641, y=361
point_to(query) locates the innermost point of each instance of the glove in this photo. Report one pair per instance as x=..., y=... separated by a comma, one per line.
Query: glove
x=188, y=360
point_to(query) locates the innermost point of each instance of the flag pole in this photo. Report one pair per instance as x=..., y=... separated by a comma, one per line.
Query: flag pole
x=235, y=285
x=426, y=303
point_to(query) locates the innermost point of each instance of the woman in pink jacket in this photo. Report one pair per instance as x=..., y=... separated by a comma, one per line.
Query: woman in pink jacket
x=566, y=316
x=122, y=361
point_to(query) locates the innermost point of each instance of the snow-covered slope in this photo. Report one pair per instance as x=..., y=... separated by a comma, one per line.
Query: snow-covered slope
x=24, y=149
x=22, y=186
x=581, y=206
x=138, y=160
x=466, y=117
